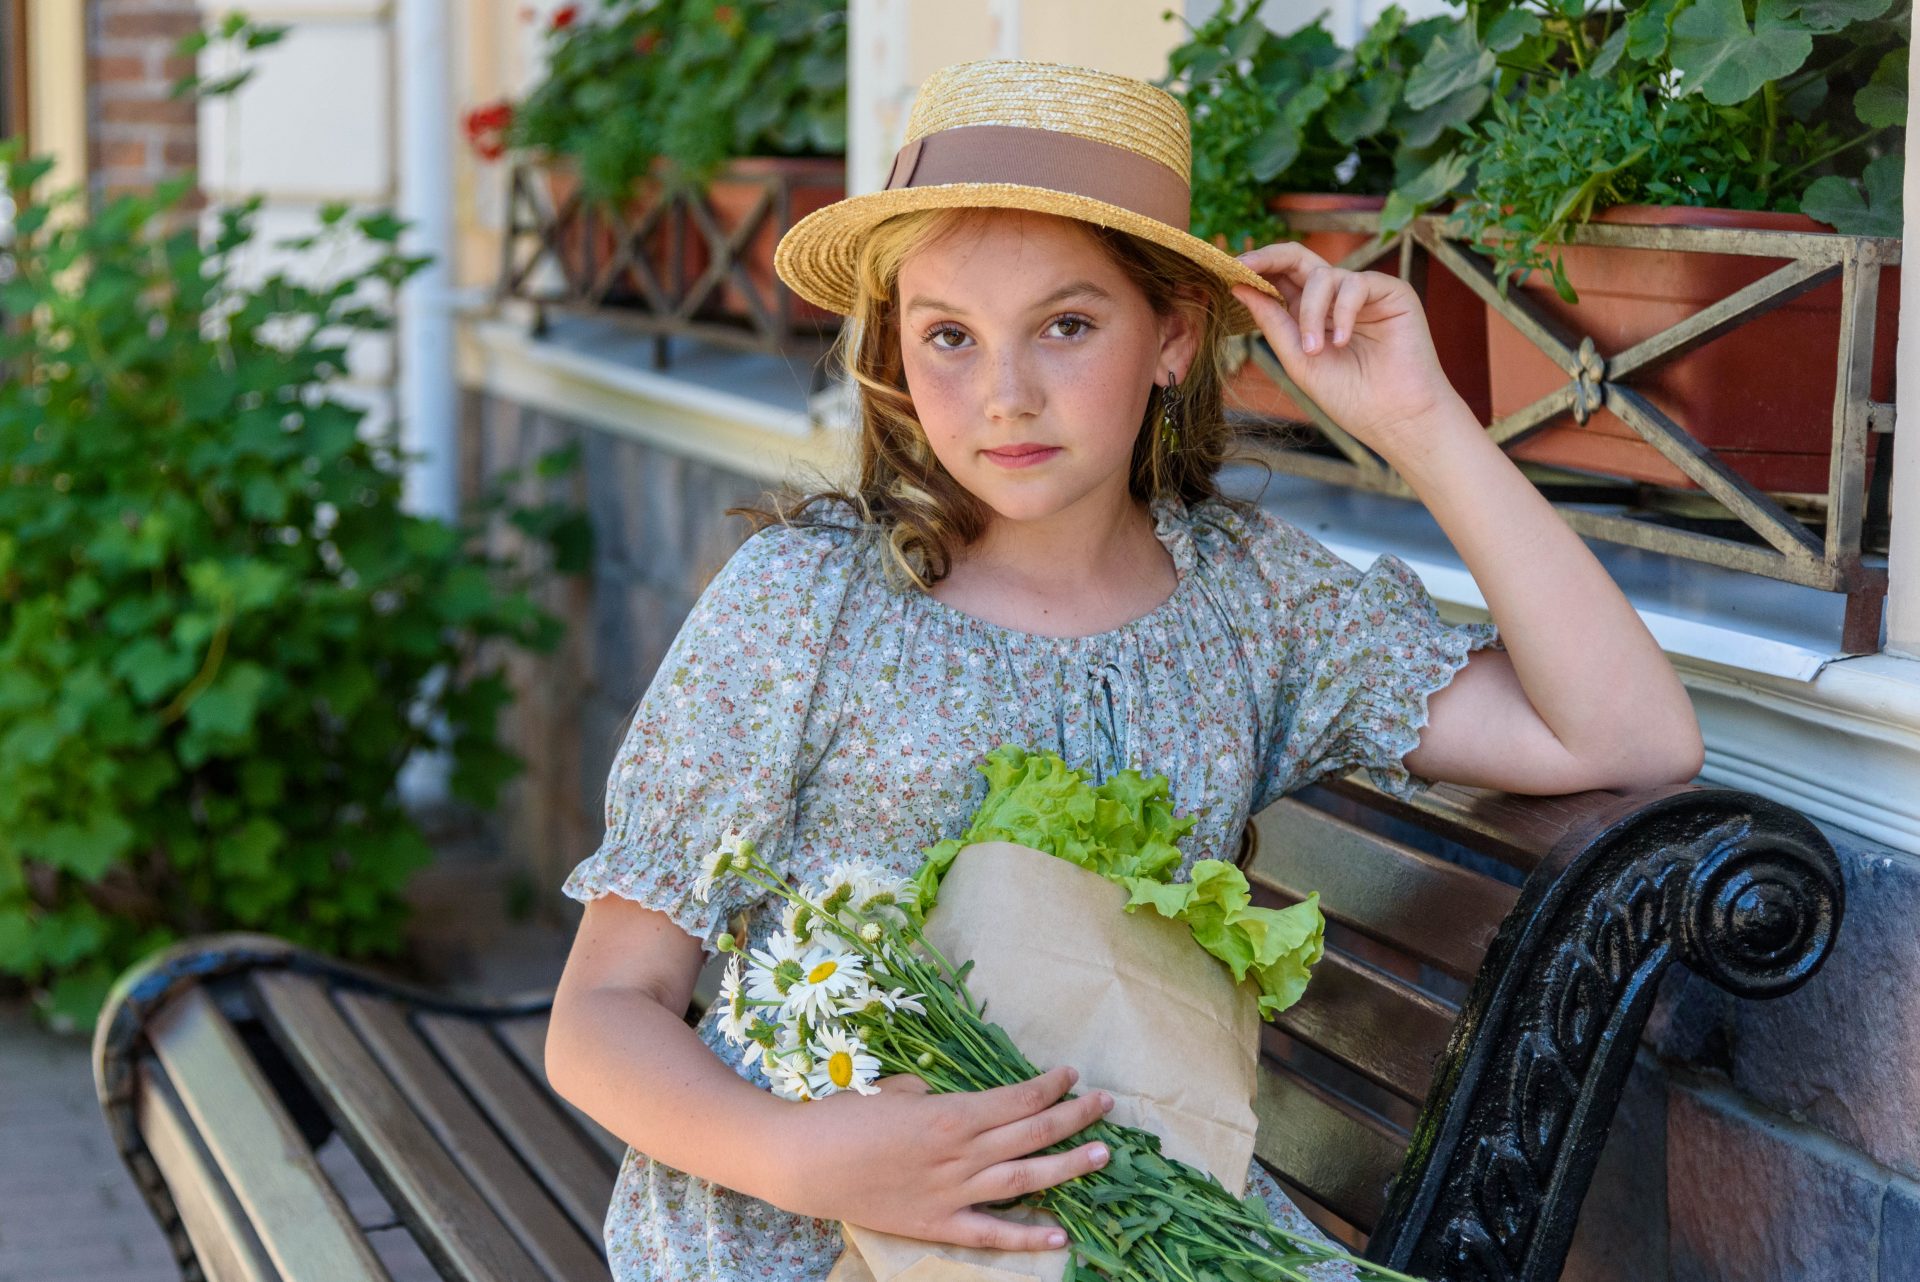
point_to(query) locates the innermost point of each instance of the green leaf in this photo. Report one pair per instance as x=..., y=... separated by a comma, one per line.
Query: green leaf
x=87, y=848
x=1836, y=202
x=1510, y=28
x=1274, y=150
x=227, y=708
x=249, y=851
x=1723, y=59
x=1882, y=101
x=1647, y=29
x=153, y=669
x=1455, y=63
x=1826, y=16
x=1361, y=111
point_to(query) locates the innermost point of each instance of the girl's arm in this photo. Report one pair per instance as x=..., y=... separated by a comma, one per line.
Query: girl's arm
x=903, y=1160
x=1583, y=697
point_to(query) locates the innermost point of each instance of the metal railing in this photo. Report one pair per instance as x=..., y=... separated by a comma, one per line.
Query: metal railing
x=1758, y=533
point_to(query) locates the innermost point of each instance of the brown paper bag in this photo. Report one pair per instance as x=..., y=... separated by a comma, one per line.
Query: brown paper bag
x=1129, y=999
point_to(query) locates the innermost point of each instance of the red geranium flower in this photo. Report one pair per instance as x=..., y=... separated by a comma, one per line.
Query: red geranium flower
x=487, y=128
x=645, y=41
x=563, y=16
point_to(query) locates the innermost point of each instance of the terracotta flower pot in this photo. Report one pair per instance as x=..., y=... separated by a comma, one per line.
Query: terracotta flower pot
x=813, y=182
x=1453, y=315
x=1760, y=395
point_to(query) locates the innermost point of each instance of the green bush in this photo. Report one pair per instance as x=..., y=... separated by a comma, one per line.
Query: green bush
x=215, y=617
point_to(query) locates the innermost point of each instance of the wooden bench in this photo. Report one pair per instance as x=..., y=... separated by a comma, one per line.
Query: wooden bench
x=1444, y=1088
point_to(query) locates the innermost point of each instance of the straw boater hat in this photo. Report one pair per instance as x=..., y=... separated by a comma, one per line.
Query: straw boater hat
x=1014, y=134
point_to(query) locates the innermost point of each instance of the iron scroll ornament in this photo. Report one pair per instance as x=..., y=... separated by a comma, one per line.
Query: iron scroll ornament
x=1745, y=892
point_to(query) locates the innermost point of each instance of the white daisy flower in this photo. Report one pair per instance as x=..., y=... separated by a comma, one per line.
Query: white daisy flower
x=831, y=973
x=735, y=1012
x=899, y=1000
x=719, y=863
x=839, y=888
x=841, y=1063
x=774, y=969
x=883, y=898
x=789, y=1082
x=798, y=920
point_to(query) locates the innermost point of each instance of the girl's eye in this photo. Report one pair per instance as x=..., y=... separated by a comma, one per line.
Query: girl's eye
x=1080, y=323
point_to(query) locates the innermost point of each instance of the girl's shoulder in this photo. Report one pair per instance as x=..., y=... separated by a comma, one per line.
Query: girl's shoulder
x=1256, y=545
x=800, y=555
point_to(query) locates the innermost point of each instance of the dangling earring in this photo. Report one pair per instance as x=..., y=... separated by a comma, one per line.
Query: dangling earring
x=1169, y=415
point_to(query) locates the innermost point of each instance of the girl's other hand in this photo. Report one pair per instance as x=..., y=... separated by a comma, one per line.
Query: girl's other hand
x=911, y=1162
x=1356, y=342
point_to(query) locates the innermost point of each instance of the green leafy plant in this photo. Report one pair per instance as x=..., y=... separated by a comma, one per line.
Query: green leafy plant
x=216, y=619
x=1124, y=829
x=691, y=81
x=1746, y=104
x=1274, y=113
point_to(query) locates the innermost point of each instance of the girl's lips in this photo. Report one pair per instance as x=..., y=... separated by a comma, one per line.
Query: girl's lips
x=1022, y=456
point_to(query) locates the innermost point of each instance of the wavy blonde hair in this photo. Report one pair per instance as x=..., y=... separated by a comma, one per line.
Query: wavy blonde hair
x=902, y=491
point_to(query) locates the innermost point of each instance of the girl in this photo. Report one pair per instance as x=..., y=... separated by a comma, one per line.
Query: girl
x=1035, y=553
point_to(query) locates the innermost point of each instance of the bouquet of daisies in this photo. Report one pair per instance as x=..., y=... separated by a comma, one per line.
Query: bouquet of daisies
x=859, y=983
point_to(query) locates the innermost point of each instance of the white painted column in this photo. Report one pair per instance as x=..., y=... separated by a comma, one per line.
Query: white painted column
x=1903, y=553
x=426, y=398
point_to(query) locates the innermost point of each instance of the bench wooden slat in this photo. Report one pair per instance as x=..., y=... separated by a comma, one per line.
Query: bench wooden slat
x=1386, y=1031
x=1439, y=912
x=561, y=1158
x=301, y=1221
x=452, y=1221
x=547, y=1233
x=222, y=1240
x=1342, y=1160
x=527, y=1039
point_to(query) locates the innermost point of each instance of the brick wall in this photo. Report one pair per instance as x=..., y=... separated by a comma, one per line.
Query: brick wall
x=1771, y=1141
x=138, y=135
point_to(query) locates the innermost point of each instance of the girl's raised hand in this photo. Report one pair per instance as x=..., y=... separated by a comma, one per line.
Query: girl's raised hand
x=1356, y=342
x=910, y=1162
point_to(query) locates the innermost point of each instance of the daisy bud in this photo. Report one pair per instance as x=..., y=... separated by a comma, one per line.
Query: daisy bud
x=925, y=1060
x=725, y=942
x=871, y=932
x=742, y=860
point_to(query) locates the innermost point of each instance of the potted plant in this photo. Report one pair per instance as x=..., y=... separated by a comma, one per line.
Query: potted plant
x=665, y=100
x=1685, y=113
x=1291, y=123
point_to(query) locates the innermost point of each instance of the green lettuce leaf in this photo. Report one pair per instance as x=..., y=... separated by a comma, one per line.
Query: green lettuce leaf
x=1125, y=829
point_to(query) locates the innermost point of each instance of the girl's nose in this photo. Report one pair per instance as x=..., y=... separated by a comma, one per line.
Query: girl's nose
x=1013, y=388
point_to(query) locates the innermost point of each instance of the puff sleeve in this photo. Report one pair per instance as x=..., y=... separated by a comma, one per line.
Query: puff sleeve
x=1354, y=655
x=729, y=727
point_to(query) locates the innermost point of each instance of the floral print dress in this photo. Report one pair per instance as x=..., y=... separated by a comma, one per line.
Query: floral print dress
x=829, y=714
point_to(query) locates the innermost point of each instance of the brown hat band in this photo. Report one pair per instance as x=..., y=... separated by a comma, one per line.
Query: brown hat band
x=1045, y=158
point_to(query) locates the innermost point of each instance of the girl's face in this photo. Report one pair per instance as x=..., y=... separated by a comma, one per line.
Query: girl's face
x=1030, y=357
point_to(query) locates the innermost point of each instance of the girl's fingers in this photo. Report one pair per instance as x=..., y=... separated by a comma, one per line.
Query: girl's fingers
x=1312, y=311
x=978, y=1229
x=1005, y=1104
x=1353, y=295
x=1288, y=258
x=1043, y=1129
x=1009, y=1180
x=1281, y=331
